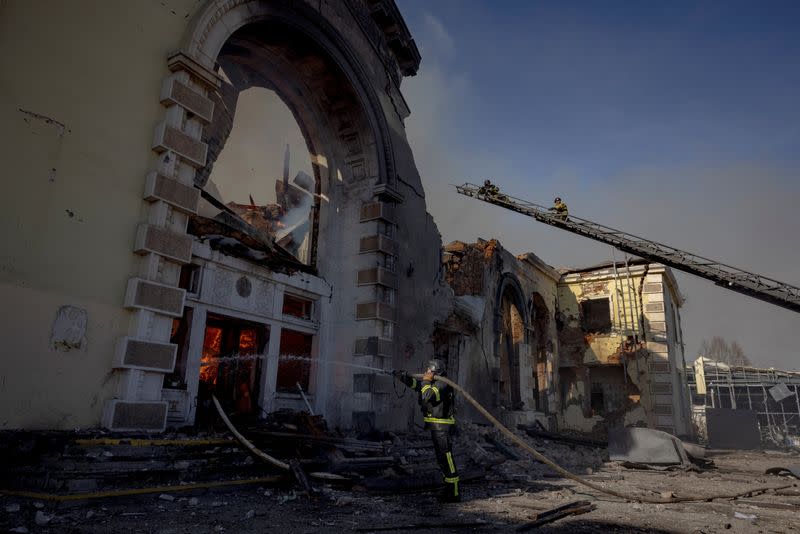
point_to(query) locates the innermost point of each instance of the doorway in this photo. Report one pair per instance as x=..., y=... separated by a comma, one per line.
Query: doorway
x=231, y=365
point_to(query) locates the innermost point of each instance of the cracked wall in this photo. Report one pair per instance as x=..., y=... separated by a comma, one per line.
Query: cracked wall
x=507, y=353
x=624, y=368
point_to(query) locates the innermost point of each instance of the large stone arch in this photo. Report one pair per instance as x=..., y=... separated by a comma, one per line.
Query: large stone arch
x=218, y=20
x=351, y=120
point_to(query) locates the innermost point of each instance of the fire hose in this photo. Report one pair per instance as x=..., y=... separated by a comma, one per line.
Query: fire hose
x=567, y=474
x=522, y=444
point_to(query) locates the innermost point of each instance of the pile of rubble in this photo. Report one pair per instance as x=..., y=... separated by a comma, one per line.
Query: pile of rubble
x=62, y=464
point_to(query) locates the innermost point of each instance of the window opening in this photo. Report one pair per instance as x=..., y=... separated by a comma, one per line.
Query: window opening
x=598, y=399
x=265, y=174
x=297, y=307
x=179, y=334
x=596, y=316
x=190, y=278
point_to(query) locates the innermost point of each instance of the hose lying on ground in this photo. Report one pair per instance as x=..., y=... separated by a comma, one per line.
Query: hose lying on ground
x=628, y=497
x=247, y=444
x=516, y=439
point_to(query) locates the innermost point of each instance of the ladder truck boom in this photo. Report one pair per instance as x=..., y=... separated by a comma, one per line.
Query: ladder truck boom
x=733, y=278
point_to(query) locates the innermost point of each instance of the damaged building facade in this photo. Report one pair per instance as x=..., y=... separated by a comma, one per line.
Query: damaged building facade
x=500, y=340
x=621, y=359
x=151, y=260
x=578, y=350
x=221, y=201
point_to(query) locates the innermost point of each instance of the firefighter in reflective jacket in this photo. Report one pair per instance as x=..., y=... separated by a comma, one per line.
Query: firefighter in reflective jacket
x=437, y=401
x=560, y=208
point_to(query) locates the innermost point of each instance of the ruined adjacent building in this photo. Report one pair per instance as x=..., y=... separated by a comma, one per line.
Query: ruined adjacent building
x=578, y=349
x=733, y=402
x=621, y=355
x=501, y=339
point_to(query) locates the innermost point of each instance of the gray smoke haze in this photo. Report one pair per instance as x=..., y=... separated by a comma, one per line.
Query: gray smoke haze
x=253, y=155
x=743, y=214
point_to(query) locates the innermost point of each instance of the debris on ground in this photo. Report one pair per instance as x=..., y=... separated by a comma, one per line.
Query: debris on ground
x=206, y=482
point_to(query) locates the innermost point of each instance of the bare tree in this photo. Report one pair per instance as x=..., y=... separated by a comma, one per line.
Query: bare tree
x=721, y=351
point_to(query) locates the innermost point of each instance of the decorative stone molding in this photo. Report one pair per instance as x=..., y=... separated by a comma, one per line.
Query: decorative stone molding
x=160, y=298
x=377, y=243
x=145, y=355
x=182, y=197
x=653, y=288
x=174, y=92
x=377, y=276
x=374, y=310
x=660, y=368
x=378, y=210
x=136, y=416
x=180, y=61
x=373, y=346
x=167, y=138
x=164, y=242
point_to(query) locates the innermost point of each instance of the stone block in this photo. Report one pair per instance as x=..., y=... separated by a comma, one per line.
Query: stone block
x=374, y=310
x=377, y=243
x=182, y=197
x=377, y=276
x=659, y=327
x=133, y=416
x=190, y=150
x=663, y=401
x=179, y=61
x=661, y=388
x=378, y=211
x=161, y=241
x=373, y=346
x=160, y=298
x=174, y=92
x=146, y=355
x=659, y=367
x=654, y=307
x=653, y=288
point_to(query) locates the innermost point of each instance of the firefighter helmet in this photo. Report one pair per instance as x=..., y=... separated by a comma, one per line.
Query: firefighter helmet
x=438, y=366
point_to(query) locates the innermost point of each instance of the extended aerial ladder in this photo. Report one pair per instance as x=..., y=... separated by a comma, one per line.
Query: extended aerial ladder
x=735, y=279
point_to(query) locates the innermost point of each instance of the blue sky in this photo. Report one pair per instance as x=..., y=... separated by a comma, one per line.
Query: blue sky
x=678, y=121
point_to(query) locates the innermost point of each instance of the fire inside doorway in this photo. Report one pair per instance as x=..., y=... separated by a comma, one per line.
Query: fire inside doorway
x=231, y=365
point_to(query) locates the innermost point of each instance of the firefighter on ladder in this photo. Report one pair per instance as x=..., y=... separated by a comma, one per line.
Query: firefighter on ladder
x=437, y=401
x=560, y=208
x=489, y=189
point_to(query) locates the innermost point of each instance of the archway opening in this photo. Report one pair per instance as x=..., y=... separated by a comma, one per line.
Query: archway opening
x=512, y=338
x=541, y=349
x=265, y=173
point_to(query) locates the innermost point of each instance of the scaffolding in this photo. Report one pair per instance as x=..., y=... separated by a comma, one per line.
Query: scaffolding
x=750, y=388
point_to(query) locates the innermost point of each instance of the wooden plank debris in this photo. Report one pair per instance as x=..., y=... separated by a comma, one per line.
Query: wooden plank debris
x=573, y=508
